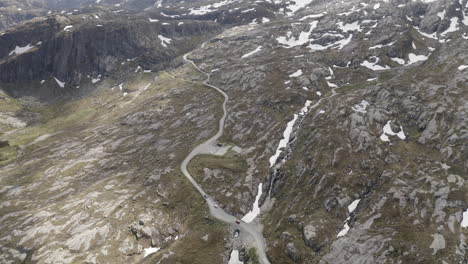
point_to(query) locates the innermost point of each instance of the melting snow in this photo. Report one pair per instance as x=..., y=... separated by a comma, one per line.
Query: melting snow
x=150, y=250
x=298, y=4
x=373, y=65
x=95, y=80
x=335, y=45
x=252, y=52
x=441, y=15
x=250, y=216
x=284, y=141
x=432, y=36
x=353, y=205
x=19, y=50
x=349, y=27
x=413, y=58
x=208, y=8
x=296, y=74
x=234, y=259
x=305, y=109
x=290, y=41
x=453, y=26
x=344, y=231
x=464, y=222
x=462, y=67
x=387, y=131
x=361, y=107
x=61, y=84
x=398, y=60
x=332, y=85
x=164, y=40
x=287, y=133
x=67, y=28
x=346, y=227
x=152, y=20
x=313, y=16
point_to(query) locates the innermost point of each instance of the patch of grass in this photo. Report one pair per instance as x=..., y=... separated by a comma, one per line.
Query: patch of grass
x=253, y=257
x=7, y=154
x=8, y=104
x=229, y=162
x=231, y=168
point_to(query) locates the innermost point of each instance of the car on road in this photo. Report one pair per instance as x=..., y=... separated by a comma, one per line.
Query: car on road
x=238, y=222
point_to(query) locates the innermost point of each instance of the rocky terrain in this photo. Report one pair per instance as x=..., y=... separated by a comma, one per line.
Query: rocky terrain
x=345, y=141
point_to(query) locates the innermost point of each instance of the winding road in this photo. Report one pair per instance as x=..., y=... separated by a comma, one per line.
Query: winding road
x=210, y=147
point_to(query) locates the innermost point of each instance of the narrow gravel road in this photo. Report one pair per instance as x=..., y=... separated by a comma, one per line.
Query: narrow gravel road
x=209, y=147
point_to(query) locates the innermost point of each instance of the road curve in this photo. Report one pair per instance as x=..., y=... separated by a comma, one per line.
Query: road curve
x=209, y=147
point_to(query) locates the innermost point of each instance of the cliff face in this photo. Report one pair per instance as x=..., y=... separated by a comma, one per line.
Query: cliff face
x=71, y=51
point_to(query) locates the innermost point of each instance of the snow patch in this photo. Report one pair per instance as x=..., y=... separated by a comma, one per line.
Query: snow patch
x=296, y=74
x=252, y=52
x=164, y=40
x=298, y=4
x=95, y=80
x=234, y=259
x=250, y=216
x=413, y=58
x=361, y=107
x=335, y=45
x=19, y=50
x=291, y=41
x=462, y=67
x=374, y=65
x=150, y=250
x=464, y=222
x=287, y=133
x=453, y=26
x=387, y=131
x=208, y=8
x=61, y=84
x=332, y=85
x=398, y=60
x=432, y=36
x=349, y=27
x=353, y=205
x=344, y=231
x=313, y=16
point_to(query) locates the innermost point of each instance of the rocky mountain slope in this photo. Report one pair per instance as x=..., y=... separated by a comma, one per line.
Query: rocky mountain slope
x=347, y=128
